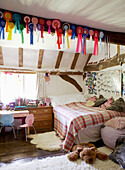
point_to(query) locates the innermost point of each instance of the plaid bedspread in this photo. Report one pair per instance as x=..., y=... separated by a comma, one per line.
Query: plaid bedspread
x=70, y=118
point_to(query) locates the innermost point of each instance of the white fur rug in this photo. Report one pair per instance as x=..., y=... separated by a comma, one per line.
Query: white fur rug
x=46, y=141
x=62, y=163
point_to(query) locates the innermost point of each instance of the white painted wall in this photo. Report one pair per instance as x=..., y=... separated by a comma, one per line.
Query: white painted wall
x=58, y=86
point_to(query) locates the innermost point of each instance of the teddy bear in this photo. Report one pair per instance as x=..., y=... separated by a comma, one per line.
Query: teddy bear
x=87, y=152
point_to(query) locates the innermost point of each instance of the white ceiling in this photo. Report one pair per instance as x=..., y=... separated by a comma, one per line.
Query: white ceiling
x=101, y=14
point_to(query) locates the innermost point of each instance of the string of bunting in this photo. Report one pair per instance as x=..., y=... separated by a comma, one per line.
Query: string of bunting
x=65, y=32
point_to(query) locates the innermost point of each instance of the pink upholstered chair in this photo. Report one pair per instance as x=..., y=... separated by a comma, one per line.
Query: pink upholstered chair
x=28, y=123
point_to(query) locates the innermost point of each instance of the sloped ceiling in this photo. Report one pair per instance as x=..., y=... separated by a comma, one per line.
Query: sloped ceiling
x=102, y=14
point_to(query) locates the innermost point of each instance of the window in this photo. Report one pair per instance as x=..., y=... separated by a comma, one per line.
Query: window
x=14, y=86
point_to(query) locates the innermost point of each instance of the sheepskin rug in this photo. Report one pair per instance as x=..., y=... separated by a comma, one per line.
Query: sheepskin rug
x=62, y=162
x=46, y=141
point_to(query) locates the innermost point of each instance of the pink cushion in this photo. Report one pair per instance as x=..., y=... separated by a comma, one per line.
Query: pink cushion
x=108, y=103
x=92, y=98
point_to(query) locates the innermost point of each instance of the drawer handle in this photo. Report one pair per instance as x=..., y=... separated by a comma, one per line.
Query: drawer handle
x=46, y=110
x=34, y=111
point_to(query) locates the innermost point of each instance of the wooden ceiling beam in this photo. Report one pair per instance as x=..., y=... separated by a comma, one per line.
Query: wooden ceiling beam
x=1, y=56
x=20, y=57
x=59, y=58
x=41, y=52
x=75, y=60
x=72, y=81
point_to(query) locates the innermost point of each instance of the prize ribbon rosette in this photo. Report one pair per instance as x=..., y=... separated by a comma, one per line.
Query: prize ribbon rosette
x=49, y=23
x=17, y=19
x=101, y=35
x=73, y=27
x=35, y=22
x=56, y=24
x=2, y=26
x=11, y=26
x=91, y=32
x=42, y=23
x=27, y=21
x=85, y=34
x=79, y=32
x=65, y=27
x=96, y=36
x=31, y=32
x=8, y=17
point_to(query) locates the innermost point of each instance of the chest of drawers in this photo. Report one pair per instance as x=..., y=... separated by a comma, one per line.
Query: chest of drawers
x=43, y=118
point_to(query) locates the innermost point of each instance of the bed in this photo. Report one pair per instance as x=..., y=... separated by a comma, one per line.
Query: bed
x=77, y=123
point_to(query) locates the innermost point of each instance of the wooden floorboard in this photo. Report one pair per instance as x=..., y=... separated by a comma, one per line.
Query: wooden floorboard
x=12, y=150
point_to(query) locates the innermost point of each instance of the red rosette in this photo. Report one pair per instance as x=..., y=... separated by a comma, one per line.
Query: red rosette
x=59, y=37
x=60, y=31
x=49, y=22
x=27, y=20
x=41, y=21
x=96, y=34
x=79, y=30
x=56, y=24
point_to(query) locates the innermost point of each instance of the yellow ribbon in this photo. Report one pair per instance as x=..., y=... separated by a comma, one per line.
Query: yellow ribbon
x=67, y=40
x=11, y=26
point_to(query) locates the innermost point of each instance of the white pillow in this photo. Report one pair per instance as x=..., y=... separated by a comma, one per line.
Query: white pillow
x=65, y=99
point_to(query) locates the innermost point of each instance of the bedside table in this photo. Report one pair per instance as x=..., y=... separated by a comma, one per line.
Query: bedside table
x=43, y=118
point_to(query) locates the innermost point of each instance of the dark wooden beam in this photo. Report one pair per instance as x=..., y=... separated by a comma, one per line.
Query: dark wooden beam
x=1, y=56
x=20, y=57
x=59, y=58
x=66, y=73
x=72, y=81
x=41, y=51
x=118, y=49
x=75, y=60
x=89, y=57
x=116, y=60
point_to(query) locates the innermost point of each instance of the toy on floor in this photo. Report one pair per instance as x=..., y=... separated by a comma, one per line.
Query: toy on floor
x=87, y=152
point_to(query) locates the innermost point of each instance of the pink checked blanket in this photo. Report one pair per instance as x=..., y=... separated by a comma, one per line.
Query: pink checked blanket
x=70, y=118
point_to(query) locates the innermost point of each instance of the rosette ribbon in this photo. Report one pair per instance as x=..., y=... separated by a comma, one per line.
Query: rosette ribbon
x=35, y=22
x=66, y=27
x=27, y=20
x=73, y=27
x=101, y=35
x=79, y=31
x=91, y=32
x=31, y=32
x=59, y=37
x=49, y=23
x=42, y=23
x=22, y=28
x=96, y=36
x=8, y=17
x=17, y=19
x=2, y=30
x=11, y=26
x=39, y=29
x=56, y=24
x=85, y=34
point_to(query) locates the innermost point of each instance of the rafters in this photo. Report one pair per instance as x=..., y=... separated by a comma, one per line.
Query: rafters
x=20, y=57
x=75, y=60
x=59, y=58
x=41, y=51
x=1, y=56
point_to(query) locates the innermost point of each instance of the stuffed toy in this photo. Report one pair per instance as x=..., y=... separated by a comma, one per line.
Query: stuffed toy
x=87, y=152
